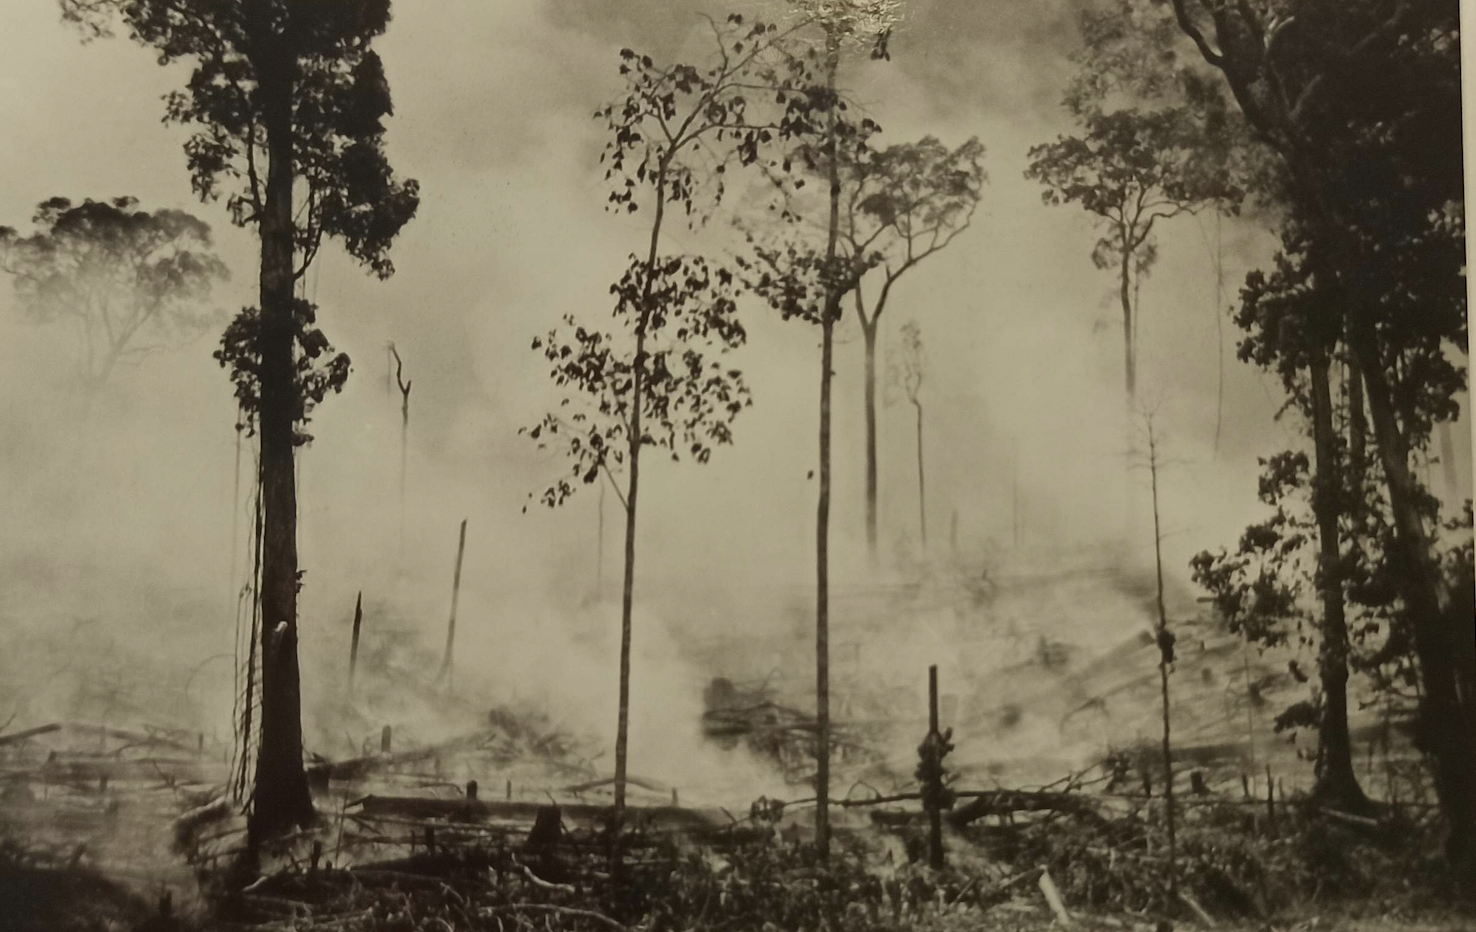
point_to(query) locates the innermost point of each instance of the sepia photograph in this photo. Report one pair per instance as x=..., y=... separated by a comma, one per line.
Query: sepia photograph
x=735, y=466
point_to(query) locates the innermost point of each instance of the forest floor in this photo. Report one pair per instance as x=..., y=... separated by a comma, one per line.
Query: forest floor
x=1042, y=677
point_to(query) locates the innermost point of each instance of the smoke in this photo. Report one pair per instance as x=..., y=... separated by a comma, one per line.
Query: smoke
x=125, y=550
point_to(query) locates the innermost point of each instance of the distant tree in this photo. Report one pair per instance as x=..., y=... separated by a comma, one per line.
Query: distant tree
x=907, y=371
x=1131, y=57
x=1132, y=169
x=902, y=204
x=655, y=381
x=286, y=101
x=130, y=282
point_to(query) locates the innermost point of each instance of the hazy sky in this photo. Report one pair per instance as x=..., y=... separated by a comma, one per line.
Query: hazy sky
x=493, y=104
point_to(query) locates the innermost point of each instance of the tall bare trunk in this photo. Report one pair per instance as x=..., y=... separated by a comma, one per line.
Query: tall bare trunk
x=280, y=797
x=1129, y=350
x=1336, y=781
x=1129, y=527
x=637, y=397
x=822, y=511
x=922, y=485
x=868, y=333
x=600, y=548
x=446, y=659
x=1165, y=645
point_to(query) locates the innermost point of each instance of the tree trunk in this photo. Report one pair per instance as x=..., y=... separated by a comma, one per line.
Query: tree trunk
x=1165, y=646
x=1442, y=630
x=1357, y=430
x=1130, y=392
x=446, y=659
x=829, y=313
x=1336, y=781
x=600, y=548
x=1129, y=351
x=868, y=333
x=280, y=796
x=627, y=595
x=922, y=487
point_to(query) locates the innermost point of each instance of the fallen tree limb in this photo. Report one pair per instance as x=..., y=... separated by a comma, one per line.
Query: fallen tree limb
x=641, y=782
x=360, y=767
x=547, y=885
x=491, y=911
x=1003, y=802
x=1349, y=818
x=29, y=733
x=519, y=811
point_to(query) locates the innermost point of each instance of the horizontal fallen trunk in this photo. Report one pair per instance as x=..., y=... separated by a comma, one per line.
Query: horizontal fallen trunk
x=641, y=782
x=29, y=733
x=1006, y=802
x=92, y=771
x=358, y=768
x=671, y=817
x=104, y=731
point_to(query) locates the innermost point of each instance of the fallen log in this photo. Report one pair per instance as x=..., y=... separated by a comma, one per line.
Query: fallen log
x=29, y=733
x=136, y=737
x=641, y=782
x=358, y=768
x=94, y=771
x=674, y=817
x=1008, y=802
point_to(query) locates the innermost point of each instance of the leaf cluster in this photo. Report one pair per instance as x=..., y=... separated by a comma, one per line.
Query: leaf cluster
x=689, y=397
x=254, y=59
x=1132, y=169
x=678, y=128
x=318, y=369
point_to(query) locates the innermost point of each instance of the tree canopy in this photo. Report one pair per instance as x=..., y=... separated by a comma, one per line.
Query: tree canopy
x=131, y=282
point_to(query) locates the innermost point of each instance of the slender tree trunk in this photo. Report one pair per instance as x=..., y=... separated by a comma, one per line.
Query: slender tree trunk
x=354, y=643
x=1219, y=333
x=235, y=516
x=637, y=393
x=280, y=798
x=1336, y=781
x=1442, y=631
x=445, y=673
x=1130, y=391
x=1129, y=350
x=1357, y=430
x=404, y=463
x=822, y=511
x=868, y=333
x=600, y=548
x=922, y=485
x=1165, y=643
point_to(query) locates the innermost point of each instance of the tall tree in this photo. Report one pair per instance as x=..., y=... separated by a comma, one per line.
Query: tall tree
x=903, y=203
x=808, y=282
x=286, y=102
x=1361, y=102
x=1294, y=330
x=130, y=282
x=672, y=135
x=1132, y=169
